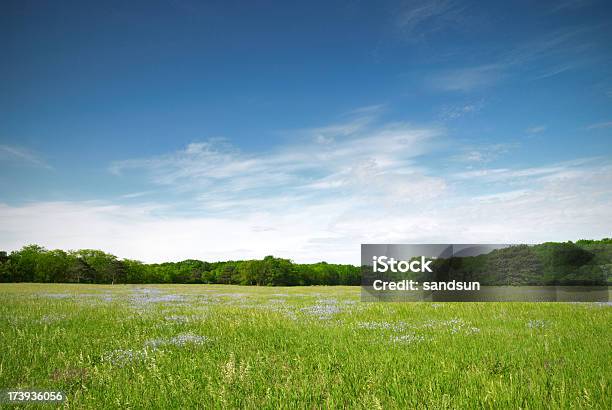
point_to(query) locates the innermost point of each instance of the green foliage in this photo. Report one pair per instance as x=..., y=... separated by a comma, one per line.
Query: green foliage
x=34, y=263
x=549, y=263
x=586, y=262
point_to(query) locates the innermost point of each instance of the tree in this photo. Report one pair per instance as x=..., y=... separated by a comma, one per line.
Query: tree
x=52, y=266
x=80, y=271
x=24, y=261
x=104, y=265
x=135, y=271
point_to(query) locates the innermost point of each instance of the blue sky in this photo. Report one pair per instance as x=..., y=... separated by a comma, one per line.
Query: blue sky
x=216, y=130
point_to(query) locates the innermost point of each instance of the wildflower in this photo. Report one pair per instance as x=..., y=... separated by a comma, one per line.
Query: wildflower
x=47, y=319
x=537, y=324
x=322, y=311
x=177, y=318
x=408, y=339
x=56, y=295
x=180, y=341
x=396, y=327
x=121, y=357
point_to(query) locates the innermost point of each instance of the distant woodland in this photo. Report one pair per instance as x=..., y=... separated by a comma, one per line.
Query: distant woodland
x=34, y=263
x=585, y=262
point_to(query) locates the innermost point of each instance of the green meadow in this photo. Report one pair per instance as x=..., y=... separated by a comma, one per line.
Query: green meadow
x=224, y=346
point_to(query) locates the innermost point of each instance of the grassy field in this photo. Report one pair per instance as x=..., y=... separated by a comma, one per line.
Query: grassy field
x=219, y=346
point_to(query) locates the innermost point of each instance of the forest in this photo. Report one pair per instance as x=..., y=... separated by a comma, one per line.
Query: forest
x=33, y=263
x=585, y=262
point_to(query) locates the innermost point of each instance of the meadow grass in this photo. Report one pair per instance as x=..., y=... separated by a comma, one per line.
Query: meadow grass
x=221, y=346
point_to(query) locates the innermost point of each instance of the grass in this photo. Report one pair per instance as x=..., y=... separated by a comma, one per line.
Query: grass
x=219, y=346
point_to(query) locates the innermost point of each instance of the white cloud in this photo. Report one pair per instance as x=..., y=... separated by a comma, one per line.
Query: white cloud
x=467, y=79
x=21, y=156
x=483, y=153
x=559, y=69
x=364, y=192
x=583, y=166
x=600, y=125
x=417, y=18
x=453, y=112
x=547, y=56
x=352, y=158
x=533, y=205
x=536, y=129
x=319, y=197
x=136, y=194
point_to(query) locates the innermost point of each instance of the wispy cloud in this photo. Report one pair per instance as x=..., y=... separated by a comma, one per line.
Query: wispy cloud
x=536, y=129
x=339, y=186
x=550, y=55
x=453, y=112
x=555, y=171
x=467, y=79
x=346, y=158
x=558, y=69
x=600, y=125
x=320, y=195
x=418, y=18
x=569, y=5
x=21, y=156
x=140, y=194
x=484, y=153
x=507, y=205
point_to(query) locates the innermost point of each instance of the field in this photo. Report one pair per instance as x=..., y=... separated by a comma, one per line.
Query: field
x=221, y=346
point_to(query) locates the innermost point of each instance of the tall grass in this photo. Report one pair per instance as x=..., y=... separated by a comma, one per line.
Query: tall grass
x=177, y=346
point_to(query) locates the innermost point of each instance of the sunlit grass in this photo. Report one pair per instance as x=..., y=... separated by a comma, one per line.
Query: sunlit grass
x=304, y=347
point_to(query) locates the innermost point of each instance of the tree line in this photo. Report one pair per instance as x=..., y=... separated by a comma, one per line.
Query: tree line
x=585, y=262
x=34, y=263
